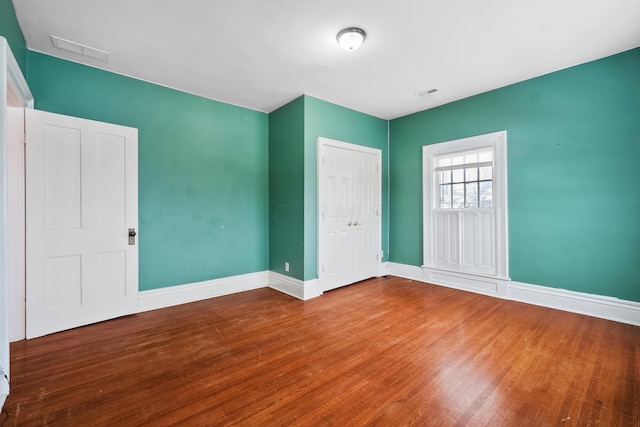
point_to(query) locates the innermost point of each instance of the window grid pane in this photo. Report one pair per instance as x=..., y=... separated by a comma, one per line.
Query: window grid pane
x=466, y=188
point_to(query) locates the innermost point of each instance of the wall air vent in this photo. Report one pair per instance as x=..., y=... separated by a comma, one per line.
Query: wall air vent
x=80, y=49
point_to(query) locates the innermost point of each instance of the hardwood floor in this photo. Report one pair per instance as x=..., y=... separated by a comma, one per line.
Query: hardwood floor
x=387, y=352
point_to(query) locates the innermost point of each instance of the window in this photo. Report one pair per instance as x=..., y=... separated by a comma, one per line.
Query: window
x=465, y=206
x=465, y=180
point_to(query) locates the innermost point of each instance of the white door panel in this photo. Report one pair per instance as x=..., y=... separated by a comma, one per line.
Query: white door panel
x=81, y=202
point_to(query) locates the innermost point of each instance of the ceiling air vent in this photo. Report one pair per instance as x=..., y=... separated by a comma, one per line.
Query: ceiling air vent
x=80, y=49
x=426, y=92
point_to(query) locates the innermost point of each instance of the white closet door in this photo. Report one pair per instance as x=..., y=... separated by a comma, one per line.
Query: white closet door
x=349, y=213
x=336, y=215
x=365, y=219
x=82, y=200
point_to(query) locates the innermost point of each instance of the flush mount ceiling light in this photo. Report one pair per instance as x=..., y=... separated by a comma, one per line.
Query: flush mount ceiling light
x=351, y=38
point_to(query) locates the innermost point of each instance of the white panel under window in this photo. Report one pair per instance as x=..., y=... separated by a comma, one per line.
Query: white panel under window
x=478, y=252
x=469, y=239
x=446, y=233
x=486, y=243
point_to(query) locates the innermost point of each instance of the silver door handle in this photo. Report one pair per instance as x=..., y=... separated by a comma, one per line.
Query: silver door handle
x=132, y=236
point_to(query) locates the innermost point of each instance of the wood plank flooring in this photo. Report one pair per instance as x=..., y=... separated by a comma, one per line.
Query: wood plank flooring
x=384, y=352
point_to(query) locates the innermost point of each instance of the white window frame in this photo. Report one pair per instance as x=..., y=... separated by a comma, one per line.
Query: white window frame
x=498, y=142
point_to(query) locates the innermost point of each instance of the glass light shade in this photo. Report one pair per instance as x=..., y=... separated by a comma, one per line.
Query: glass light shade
x=351, y=38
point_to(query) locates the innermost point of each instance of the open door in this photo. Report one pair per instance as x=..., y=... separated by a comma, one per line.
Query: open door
x=82, y=215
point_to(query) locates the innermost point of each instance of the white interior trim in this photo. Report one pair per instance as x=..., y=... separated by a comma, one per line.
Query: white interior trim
x=603, y=307
x=174, y=295
x=405, y=271
x=302, y=290
x=182, y=294
x=20, y=93
x=487, y=285
x=14, y=92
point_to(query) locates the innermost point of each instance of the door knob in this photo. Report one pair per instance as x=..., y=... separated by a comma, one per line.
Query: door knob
x=132, y=236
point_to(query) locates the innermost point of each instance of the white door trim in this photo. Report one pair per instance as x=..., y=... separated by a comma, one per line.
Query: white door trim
x=14, y=92
x=327, y=142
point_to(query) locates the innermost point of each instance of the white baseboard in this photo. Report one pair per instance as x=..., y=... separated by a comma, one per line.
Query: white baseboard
x=492, y=286
x=4, y=390
x=603, y=307
x=406, y=271
x=182, y=294
x=303, y=290
x=383, y=269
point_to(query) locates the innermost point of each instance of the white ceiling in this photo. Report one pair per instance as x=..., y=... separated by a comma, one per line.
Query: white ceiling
x=260, y=54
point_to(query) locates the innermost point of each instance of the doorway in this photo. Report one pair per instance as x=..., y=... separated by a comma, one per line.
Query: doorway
x=349, y=213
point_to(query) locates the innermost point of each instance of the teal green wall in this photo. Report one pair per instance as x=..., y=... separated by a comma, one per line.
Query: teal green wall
x=293, y=188
x=203, y=169
x=10, y=30
x=286, y=189
x=574, y=195
x=335, y=122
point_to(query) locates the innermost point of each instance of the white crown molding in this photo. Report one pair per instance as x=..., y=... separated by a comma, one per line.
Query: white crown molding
x=603, y=307
x=182, y=294
x=302, y=290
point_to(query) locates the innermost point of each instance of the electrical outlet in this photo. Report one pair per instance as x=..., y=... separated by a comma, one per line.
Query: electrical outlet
x=286, y=266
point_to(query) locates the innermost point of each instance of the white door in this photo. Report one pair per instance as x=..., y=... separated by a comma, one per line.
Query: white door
x=336, y=219
x=366, y=207
x=81, y=203
x=349, y=198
